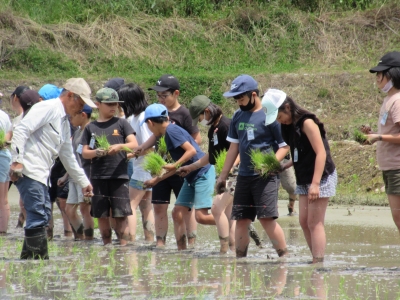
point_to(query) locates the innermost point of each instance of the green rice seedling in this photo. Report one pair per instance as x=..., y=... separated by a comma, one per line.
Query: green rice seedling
x=163, y=151
x=219, y=161
x=360, y=137
x=153, y=163
x=126, y=149
x=102, y=142
x=264, y=162
x=3, y=142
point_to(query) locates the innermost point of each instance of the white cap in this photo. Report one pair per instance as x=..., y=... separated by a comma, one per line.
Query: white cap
x=271, y=101
x=81, y=88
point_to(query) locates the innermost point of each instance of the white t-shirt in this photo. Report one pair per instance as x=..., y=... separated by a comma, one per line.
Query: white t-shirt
x=16, y=120
x=142, y=134
x=5, y=123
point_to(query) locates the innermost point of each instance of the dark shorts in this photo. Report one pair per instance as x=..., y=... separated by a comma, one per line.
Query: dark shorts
x=391, y=178
x=56, y=191
x=255, y=196
x=162, y=190
x=110, y=194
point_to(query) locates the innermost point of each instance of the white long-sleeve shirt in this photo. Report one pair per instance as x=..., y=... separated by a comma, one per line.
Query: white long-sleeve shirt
x=41, y=136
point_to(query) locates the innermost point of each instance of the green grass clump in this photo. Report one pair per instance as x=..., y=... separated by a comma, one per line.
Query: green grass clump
x=219, y=161
x=2, y=139
x=360, y=137
x=154, y=163
x=126, y=149
x=102, y=142
x=264, y=162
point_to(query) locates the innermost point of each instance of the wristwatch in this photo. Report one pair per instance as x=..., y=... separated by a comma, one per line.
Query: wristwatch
x=380, y=137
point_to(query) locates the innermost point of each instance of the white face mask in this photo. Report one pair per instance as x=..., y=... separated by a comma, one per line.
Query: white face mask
x=388, y=86
x=204, y=122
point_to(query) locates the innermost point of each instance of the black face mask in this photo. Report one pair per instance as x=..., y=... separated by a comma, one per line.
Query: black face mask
x=249, y=105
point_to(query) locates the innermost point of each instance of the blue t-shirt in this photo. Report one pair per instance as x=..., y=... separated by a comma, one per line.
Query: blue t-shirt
x=249, y=131
x=175, y=137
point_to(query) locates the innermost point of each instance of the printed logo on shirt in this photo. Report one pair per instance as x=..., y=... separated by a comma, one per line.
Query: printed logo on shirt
x=246, y=126
x=115, y=132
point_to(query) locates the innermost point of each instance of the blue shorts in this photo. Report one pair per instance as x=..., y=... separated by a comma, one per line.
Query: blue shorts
x=136, y=184
x=5, y=162
x=198, y=193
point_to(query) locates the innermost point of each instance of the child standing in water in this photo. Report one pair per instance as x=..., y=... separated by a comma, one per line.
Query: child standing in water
x=315, y=171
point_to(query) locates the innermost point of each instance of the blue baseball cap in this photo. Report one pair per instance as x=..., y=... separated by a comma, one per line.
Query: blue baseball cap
x=241, y=84
x=49, y=91
x=87, y=109
x=153, y=111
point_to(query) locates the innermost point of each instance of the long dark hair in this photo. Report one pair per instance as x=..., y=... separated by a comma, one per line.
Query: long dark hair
x=134, y=99
x=296, y=113
x=215, y=112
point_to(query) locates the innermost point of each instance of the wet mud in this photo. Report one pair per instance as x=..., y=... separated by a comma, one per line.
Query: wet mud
x=361, y=262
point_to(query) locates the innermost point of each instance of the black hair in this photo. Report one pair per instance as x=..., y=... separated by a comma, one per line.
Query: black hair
x=19, y=91
x=88, y=115
x=394, y=75
x=134, y=99
x=296, y=112
x=215, y=112
x=158, y=120
x=248, y=93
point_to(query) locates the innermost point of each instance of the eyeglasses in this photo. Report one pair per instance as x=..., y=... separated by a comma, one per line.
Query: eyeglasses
x=163, y=96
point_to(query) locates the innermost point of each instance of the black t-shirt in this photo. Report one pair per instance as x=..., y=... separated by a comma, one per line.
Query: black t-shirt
x=215, y=146
x=182, y=118
x=57, y=170
x=109, y=166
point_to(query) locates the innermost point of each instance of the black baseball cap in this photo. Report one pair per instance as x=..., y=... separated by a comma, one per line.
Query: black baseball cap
x=115, y=83
x=389, y=60
x=165, y=83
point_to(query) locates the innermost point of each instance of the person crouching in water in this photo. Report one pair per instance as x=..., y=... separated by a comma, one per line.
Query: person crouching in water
x=315, y=171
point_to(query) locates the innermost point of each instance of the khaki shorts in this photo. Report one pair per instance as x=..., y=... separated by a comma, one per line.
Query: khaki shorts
x=391, y=178
x=288, y=179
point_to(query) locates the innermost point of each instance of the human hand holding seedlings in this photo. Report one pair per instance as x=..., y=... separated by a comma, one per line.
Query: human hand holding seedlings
x=101, y=152
x=151, y=182
x=373, y=137
x=61, y=181
x=16, y=171
x=114, y=149
x=87, y=191
x=366, y=129
x=184, y=171
x=220, y=186
x=170, y=167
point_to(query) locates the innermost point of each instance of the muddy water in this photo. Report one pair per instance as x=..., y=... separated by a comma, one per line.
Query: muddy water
x=362, y=262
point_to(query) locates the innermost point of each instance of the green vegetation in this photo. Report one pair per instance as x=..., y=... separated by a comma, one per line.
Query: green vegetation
x=219, y=161
x=102, y=142
x=154, y=163
x=264, y=163
x=360, y=137
x=2, y=139
x=126, y=149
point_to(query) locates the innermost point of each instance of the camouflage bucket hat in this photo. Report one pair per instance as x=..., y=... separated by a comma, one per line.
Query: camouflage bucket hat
x=107, y=95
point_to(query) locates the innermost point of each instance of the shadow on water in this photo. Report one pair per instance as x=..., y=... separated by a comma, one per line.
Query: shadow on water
x=361, y=263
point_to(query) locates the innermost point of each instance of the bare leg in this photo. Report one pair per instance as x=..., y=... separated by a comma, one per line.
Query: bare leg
x=147, y=217
x=61, y=202
x=4, y=207
x=161, y=223
x=88, y=223
x=220, y=203
x=135, y=196
x=123, y=230
x=179, y=214
x=232, y=227
x=191, y=226
x=394, y=203
x=105, y=230
x=312, y=218
x=275, y=234
x=203, y=217
x=242, y=238
x=75, y=220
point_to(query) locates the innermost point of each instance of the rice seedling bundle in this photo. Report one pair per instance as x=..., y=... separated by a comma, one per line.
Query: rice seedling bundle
x=219, y=161
x=102, y=142
x=3, y=142
x=264, y=162
x=153, y=163
x=360, y=137
x=126, y=149
x=163, y=151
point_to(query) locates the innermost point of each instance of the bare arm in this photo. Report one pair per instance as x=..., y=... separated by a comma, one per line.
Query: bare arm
x=131, y=143
x=281, y=153
x=197, y=137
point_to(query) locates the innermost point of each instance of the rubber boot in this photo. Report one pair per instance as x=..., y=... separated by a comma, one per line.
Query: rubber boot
x=35, y=244
x=254, y=235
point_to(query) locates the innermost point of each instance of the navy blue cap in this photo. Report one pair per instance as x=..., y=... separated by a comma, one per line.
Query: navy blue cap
x=115, y=83
x=87, y=109
x=241, y=84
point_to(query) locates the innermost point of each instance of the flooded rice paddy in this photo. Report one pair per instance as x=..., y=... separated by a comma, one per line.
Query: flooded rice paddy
x=362, y=262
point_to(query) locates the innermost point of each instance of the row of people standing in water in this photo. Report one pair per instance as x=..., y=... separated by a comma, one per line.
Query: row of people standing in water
x=271, y=121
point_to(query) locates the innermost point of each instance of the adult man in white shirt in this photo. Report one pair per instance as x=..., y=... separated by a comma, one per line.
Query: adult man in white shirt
x=38, y=139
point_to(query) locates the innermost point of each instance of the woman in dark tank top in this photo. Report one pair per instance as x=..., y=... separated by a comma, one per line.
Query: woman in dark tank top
x=316, y=175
